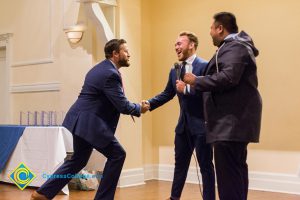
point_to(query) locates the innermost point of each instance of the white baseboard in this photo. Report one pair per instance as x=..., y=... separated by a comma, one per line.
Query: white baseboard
x=274, y=182
x=263, y=181
x=166, y=173
x=131, y=177
x=150, y=172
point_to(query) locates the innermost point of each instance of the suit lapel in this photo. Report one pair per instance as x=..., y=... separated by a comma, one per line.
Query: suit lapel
x=195, y=66
x=199, y=66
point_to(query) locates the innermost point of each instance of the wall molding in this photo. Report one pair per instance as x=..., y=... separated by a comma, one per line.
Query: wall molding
x=5, y=41
x=105, y=2
x=94, y=12
x=131, y=177
x=50, y=58
x=32, y=62
x=262, y=181
x=5, y=37
x=36, y=87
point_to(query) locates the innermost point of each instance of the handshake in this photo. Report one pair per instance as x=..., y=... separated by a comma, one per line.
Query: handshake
x=145, y=106
x=189, y=78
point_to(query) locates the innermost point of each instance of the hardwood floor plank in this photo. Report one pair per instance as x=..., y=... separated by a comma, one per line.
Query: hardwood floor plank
x=152, y=190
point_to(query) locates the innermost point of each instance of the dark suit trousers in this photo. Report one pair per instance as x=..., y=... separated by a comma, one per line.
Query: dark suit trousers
x=184, y=146
x=115, y=155
x=231, y=170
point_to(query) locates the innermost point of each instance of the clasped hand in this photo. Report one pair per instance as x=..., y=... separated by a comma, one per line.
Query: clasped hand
x=145, y=106
x=189, y=78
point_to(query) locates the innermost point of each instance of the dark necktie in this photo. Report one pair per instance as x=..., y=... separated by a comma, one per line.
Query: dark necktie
x=124, y=91
x=182, y=72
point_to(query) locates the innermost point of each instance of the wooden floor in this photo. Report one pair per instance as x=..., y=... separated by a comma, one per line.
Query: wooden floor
x=152, y=190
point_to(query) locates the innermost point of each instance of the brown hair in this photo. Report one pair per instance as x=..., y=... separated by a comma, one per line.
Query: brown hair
x=192, y=37
x=113, y=45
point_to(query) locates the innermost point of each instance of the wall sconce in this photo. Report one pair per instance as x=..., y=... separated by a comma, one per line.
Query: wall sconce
x=74, y=33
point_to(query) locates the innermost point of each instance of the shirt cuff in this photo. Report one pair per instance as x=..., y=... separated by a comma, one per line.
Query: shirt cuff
x=185, y=90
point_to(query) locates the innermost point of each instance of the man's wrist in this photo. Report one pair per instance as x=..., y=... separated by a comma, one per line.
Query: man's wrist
x=148, y=104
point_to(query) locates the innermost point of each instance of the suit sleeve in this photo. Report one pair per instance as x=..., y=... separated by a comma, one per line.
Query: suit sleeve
x=114, y=92
x=164, y=96
x=232, y=64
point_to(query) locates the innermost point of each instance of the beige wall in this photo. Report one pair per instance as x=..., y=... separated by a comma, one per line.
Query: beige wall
x=148, y=146
x=130, y=133
x=42, y=53
x=151, y=32
x=274, y=27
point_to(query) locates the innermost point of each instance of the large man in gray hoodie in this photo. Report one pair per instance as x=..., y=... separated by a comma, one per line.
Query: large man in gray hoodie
x=232, y=104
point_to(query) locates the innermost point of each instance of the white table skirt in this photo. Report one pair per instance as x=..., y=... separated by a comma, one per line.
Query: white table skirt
x=42, y=150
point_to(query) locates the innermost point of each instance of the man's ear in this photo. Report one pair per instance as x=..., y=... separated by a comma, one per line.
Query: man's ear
x=191, y=45
x=220, y=28
x=115, y=53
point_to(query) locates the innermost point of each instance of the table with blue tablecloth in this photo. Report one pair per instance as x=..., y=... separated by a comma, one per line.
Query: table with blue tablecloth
x=9, y=138
x=42, y=149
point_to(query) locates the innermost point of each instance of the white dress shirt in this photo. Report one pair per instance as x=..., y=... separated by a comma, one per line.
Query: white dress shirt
x=189, y=69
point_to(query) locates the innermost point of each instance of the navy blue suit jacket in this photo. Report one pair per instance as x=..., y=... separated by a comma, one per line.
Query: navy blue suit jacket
x=191, y=104
x=95, y=114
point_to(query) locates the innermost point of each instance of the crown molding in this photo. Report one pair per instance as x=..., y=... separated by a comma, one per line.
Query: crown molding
x=5, y=36
x=103, y=2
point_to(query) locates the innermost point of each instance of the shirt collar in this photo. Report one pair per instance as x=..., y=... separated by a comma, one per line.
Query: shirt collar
x=113, y=64
x=191, y=59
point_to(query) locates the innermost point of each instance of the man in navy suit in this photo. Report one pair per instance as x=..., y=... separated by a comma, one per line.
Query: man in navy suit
x=190, y=130
x=93, y=119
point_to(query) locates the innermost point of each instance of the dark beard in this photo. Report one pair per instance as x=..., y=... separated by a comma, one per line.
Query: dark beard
x=123, y=63
x=216, y=42
x=185, y=55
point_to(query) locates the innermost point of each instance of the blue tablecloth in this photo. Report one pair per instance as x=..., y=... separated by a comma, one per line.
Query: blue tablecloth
x=9, y=137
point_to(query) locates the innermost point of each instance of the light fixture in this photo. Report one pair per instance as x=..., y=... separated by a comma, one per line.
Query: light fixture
x=74, y=33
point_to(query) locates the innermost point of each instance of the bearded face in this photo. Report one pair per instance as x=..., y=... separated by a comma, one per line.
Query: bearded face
x=215, y=34
x=124, y=56
x=183, y=48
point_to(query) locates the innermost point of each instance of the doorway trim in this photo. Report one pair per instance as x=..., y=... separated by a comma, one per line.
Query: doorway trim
x=5, y=41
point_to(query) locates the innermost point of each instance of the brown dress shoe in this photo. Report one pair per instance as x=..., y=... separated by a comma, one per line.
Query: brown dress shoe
x=37, y=196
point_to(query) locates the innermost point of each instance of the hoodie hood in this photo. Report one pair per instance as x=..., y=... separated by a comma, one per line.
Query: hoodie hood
x=245, y=39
